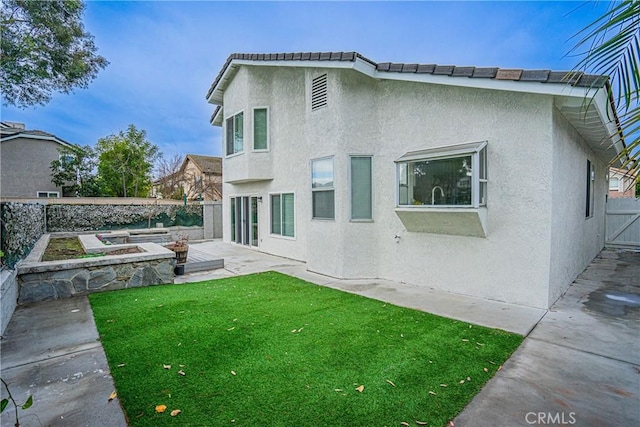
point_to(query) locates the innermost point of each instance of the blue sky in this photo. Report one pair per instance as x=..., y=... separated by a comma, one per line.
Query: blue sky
x=165, y=54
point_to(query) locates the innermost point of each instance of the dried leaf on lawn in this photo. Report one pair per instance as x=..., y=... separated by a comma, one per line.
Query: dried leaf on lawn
x=421, y=423
x=360, y=388
x=233, y=373
x=121, y=365
x=161, y=408
x=181, y=372
x=443, y=385
x=432, y=393
x=391, y=382
x=485, y=369
x=404, y=423
x=175, y=412
x=166, y=366
x=113, y=395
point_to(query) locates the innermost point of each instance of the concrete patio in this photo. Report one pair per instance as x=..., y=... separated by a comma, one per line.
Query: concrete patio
x=580, y=361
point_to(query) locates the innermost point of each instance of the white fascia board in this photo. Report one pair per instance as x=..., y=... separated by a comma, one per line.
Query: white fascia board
x=360, y=65
x=40, y=137
x=217, y=119
x=556, y=89
x=608, y=118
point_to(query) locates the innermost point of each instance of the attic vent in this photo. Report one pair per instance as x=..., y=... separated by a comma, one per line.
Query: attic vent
x=319, y=92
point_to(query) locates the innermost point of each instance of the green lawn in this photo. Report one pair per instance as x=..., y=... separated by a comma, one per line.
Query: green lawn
x=272, y=350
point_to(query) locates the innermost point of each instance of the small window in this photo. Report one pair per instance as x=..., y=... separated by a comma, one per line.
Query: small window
x=322, y=190
x=591, y=176
x=453, y=176
x=283, y=214
x=361, y=188
x=48, y=194
x=614, y=184
x=260, y=129
x=235, y=134
x=319, y=92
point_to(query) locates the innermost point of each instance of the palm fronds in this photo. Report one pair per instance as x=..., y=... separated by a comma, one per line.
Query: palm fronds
x=611, y=46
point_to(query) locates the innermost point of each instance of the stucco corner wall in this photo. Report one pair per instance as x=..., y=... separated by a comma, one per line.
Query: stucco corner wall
x=575, y=239
x=8, y=296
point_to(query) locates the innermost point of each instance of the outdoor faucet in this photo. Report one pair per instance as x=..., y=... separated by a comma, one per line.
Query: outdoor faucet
x=433, y=193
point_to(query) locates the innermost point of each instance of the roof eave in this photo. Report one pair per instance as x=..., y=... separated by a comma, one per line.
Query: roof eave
x=40, y=137
x=216, y=95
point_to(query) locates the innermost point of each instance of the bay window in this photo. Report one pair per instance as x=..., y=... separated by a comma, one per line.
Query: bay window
x=235, y=134
x=452, y=176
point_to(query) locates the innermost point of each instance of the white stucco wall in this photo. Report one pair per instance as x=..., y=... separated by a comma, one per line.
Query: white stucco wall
x=511, y=263
x=575, y=239
x=386, y=119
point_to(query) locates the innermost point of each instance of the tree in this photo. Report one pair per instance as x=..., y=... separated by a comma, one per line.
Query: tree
x=75, y=171
x=44, y=49
x=169, y=182
x=125, y=163
x=613, y=49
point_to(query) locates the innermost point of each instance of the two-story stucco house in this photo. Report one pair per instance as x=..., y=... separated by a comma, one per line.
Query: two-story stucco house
x=25, y=160
x=480, y=181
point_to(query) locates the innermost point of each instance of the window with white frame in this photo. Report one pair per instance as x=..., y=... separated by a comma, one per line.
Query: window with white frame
x=283, y=214
x=235, y=134
x=260, y=129
x=614, y=184
x=361, y=188
x=322, y=190
x=452, y=176
x=47, y=194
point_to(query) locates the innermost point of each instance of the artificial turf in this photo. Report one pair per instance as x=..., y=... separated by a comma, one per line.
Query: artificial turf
x=272, y=350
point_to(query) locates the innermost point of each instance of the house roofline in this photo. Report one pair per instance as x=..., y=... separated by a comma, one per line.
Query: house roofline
x=26, y=134
x=563, y=83
x=571, y=89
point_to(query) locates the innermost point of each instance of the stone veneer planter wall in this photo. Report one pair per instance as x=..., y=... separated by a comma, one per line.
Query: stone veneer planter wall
x=50, y=280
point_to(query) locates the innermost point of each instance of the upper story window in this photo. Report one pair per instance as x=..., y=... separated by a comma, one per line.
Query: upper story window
x=614, y=184
x=319, y=92
x=322, y=190
x=452, y=176
x=260, y=129
x=235, y=134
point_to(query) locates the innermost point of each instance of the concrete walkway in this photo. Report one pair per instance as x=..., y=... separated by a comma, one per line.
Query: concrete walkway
x=581, y=358
x=581, y=364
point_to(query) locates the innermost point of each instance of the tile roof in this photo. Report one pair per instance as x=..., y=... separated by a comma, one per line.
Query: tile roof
x=207, y=164
x=12, y=132
x=542, y=76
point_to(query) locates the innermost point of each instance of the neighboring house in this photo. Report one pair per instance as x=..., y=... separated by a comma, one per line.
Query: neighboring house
x=480, y=181
x=199, y=177
x=25, y=160
x=622, y=183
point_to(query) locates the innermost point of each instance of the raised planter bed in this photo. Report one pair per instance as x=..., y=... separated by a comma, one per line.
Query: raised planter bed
x=40, y=281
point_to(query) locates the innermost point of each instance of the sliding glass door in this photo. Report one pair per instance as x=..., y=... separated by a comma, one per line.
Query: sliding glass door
x=244, y=220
